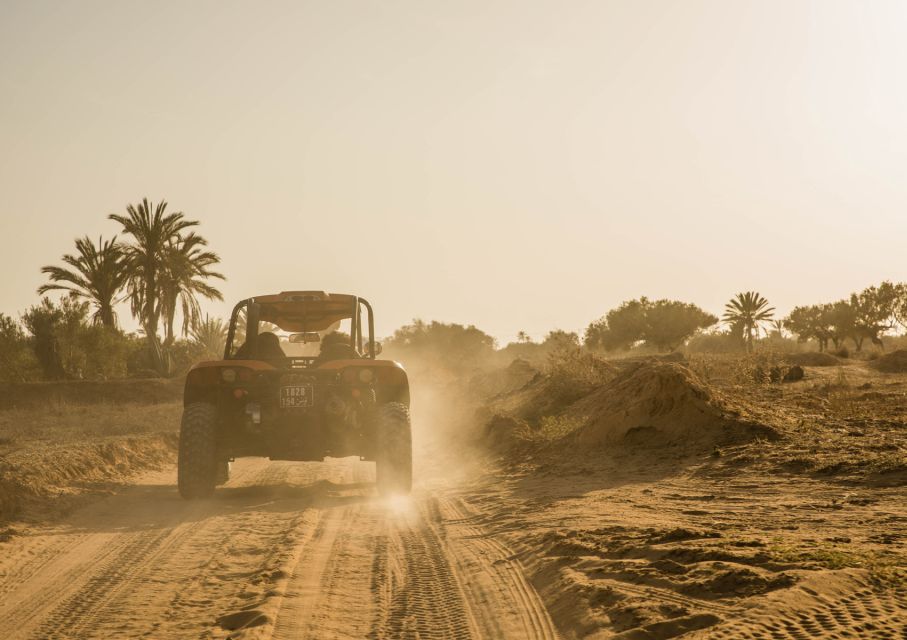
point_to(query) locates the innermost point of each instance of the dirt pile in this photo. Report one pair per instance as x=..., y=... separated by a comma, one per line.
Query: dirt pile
x=812, y=359
x=894, y=362
x=551, y=392
x=657, y=403
x=50, y=476
x=502, y=431
x=511, y=378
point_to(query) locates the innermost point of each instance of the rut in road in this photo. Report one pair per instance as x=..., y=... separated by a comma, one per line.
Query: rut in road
x=410, y=569
x=148, y=551
x=285, y=550
x=374, y=570
x=416, y=590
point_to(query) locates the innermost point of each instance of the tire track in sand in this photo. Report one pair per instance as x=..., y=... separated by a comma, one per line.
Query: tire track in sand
x=85, y=585
x=497, y=578
x=417, y=590
x=327, y=594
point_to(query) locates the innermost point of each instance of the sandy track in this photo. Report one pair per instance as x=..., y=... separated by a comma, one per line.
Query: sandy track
x=284, y=550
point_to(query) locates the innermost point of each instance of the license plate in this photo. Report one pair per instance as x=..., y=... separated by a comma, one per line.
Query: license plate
x=296, y=396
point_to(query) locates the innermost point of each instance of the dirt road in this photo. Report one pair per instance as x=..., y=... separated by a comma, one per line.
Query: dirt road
x=284, y=550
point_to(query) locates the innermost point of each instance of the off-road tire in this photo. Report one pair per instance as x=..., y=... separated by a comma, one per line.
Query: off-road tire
x=197, y=468
x=394, y=455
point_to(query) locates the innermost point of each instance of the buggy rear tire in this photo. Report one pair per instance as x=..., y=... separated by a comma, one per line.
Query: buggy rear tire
x=394, y=456
x=197, y=467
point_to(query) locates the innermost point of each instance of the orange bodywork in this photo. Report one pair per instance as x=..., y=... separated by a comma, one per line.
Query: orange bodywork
x=257, y=365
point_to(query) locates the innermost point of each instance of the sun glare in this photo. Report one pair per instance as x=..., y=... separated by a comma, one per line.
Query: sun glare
x=398, y=503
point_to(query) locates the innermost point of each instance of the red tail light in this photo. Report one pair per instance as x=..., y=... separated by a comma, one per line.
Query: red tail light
x=207, y=376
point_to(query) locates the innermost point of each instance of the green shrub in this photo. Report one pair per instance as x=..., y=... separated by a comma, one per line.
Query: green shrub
x=17, y=359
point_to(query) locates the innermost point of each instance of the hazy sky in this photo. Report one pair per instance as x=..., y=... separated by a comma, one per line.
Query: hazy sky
x=516, y=165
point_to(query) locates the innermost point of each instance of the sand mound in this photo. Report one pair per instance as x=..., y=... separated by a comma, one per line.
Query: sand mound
x=657, y=403
x=812, y=359
x=50, y=475
x=511, y=378
x=894, y=362
x=549, y=393
x=502, y=431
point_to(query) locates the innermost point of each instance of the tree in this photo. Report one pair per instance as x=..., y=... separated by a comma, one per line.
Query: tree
x=842, y=319
x=451, y=345
x=746, y=312
x=874, y=310
x=67, y=345
x=153, y=234
x=669, y=323
x=95, y=274
x=42, y=322
x=17, y=360
x=186, y=268
x=559, y=339
x=210, y=335
x=900, y=304
x=621, y=328
x=663, y=324
x=814, y=322
x=777, y=326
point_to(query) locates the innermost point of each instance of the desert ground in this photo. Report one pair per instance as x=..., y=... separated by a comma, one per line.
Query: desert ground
x=643, y=498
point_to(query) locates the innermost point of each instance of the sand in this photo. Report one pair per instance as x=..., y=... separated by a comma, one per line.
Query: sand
x=673, y=507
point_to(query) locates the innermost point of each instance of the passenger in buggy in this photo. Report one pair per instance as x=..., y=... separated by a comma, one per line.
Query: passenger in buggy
x=267, y=347
x=336, y=346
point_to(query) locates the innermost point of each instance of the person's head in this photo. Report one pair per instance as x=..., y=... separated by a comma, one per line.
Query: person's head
x=336, y=346
x=268, y=345
x=334, y=337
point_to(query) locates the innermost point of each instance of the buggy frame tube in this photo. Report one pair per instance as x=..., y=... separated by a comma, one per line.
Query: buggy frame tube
x=371, y=328
x=231, y=332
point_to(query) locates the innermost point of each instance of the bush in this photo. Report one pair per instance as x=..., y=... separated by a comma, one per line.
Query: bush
x=574, y=372
x=99, y=353
x=183, y=354
x=760, y=367
x=662, y=324
x=17, y=359
x=715, y=342
x=450, y=346
x=66, y=345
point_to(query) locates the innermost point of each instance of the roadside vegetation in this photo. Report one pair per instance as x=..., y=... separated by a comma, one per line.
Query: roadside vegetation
x=160, y=264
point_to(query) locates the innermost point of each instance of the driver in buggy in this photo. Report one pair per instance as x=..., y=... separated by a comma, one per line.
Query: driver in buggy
x=267, y=348
x=336, y=346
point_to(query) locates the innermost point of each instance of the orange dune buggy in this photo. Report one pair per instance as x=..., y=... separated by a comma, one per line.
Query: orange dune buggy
x=292, y=386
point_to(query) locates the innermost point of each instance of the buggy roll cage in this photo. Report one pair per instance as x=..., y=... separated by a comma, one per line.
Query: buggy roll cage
x=252, y=318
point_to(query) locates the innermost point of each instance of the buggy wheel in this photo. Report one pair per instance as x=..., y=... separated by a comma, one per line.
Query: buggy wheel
x=394, y=457
x=197, y=468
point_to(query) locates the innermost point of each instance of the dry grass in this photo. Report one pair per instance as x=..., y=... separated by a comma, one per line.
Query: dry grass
x=54, y=456
x=884, y=566
x=62, y=423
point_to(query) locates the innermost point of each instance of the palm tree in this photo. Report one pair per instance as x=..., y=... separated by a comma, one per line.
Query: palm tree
x=96, y=275
x=745, y=313
x=777, y=327
x=187, y=266
x=153, y=233
x=210, y=334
